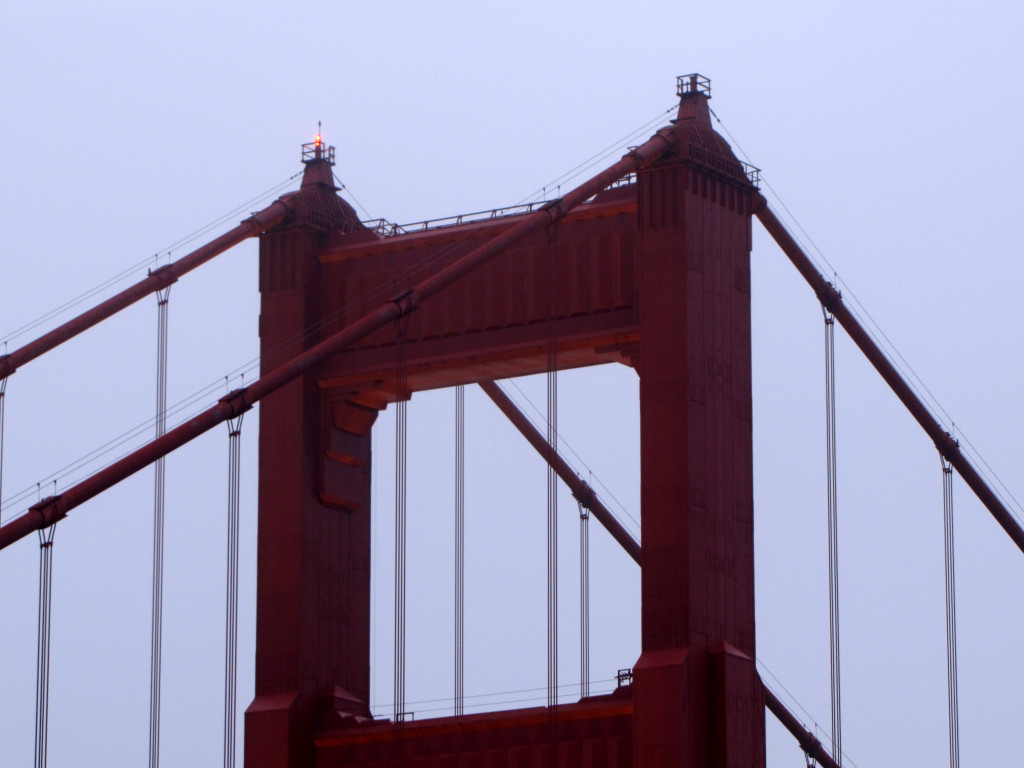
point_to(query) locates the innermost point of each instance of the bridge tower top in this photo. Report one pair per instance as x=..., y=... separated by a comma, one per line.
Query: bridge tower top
x=318, y=158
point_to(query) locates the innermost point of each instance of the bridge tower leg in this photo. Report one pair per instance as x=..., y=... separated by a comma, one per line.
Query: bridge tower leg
x=313, y=556
x=697, y=696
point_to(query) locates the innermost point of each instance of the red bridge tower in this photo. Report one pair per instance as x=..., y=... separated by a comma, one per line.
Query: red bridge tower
x=654, y=274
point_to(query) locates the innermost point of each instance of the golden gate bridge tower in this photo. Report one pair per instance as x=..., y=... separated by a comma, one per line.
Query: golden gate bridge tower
x=646, y=264
x=654, y=274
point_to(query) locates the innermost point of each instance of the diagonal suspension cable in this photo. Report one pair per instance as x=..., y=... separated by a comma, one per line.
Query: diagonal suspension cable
x=566, y=448
x=581, y=490
x=813, y=749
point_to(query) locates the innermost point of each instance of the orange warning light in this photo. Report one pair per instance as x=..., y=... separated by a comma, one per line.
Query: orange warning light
x=317, y=140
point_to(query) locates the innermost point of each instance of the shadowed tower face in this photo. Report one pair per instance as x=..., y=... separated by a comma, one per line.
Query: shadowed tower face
x=653, y=274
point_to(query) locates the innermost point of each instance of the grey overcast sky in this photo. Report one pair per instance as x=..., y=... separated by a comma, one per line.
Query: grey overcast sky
x=890, y=130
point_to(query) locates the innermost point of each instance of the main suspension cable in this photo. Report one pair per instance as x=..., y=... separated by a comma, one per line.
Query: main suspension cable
x=43, y=643
x=77, y=468
x=144, y=263
x=231, y=618
x=772, y=692
x=951, y=656
x=247, y=367
x=887, y=347
x=597, y=157
x=195, y=403
x=159, y=494
x=1013, y=507
x=833, y=535
x=57, y=506
x=460, y=546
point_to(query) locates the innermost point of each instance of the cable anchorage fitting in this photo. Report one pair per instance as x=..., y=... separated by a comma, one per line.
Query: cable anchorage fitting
x=406, y=304
x=237, y=401
x=948, y=446
x=553, y=208
x=50, y=510
x=830, y=297
x=164, y=277
x=585, y=496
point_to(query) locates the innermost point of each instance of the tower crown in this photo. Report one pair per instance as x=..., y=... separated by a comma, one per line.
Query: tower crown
x=319, y=161
x=317, y=151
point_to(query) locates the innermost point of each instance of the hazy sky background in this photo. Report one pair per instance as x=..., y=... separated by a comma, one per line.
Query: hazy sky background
x=890, y=130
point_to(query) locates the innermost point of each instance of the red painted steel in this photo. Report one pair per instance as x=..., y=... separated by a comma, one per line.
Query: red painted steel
x=55, y=508
x=485, y=321
x=157, y=280
x=681, y=315
x=312, y=670
x=697, y=696
x=595, y=248
x=593, y=733
x=832, y=300
x=676, y=305
x=581, y=491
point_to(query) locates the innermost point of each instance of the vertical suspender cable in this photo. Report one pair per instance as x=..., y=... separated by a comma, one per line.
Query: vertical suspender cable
x=401, y=453
x=951, y=662
x=552, y=535
x=158, y=532
x=43, y=644
x=231, y=621
x=833, y=537
x=552, y=505
x=57, y=507
x=3, y=394
x=584, y=601
x=552, y=510
x=460, y=545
